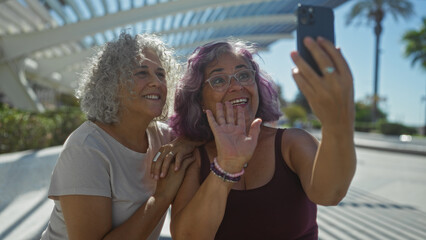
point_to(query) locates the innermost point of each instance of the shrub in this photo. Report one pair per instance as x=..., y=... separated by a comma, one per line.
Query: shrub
x=365, y=126
x=22, y=130
x=388, y=128
x=295, y=112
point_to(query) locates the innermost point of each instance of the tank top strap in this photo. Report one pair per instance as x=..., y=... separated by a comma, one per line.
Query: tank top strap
x=279, y=160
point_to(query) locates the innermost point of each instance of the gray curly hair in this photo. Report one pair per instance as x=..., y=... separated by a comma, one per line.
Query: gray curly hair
x=112, y=66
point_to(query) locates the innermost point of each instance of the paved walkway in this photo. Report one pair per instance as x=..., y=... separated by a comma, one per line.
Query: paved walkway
x=363, y=215
x=387, y=199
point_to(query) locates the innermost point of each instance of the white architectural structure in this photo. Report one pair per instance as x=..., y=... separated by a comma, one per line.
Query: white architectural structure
x=46, y=41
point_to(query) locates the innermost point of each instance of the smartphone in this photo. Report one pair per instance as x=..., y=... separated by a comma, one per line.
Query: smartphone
x=313, y=21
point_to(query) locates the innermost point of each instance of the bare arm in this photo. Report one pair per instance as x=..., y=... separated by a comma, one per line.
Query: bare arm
x=201, y=206
x=327, y=174
x=90, y=217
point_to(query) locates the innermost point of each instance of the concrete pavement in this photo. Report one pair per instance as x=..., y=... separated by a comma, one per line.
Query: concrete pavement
x=387, y=199
x=401, y=144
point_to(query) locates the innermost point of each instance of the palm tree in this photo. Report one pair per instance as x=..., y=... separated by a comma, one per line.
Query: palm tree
x=375, y=11
x=416, y=49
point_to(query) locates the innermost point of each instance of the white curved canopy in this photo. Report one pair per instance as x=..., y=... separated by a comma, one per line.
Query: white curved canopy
x=44, y=42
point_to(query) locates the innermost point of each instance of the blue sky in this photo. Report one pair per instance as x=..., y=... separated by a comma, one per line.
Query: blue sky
x=400, y=84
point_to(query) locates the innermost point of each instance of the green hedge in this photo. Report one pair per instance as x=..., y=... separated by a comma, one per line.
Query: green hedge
x=365, y=127
x=388, y=128
x=22, y=130
x=383, y=127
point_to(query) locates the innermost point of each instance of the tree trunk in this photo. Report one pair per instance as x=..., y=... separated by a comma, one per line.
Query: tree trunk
x=424, y=127
x=378, y=14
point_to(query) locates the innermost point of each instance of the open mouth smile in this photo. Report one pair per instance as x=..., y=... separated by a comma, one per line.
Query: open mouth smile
x=152, y=97
x=239, y=101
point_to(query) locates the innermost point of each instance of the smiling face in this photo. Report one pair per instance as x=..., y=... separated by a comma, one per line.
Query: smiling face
x=148, y=95
x=246, y=96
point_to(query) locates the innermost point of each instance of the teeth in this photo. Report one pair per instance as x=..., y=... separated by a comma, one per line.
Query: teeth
x=155, y=97
x=239, y=101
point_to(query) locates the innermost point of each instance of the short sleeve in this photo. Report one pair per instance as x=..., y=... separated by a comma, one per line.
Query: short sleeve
x=165, y=132
x=81, y=170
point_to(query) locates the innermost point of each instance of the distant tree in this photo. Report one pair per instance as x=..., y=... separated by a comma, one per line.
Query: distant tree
x=363, y=112
x=294, y=112
x=301, y=101
x=67, y=100
x=415, y=49
x=375, y=11
x=363, y=116
x=283, y=103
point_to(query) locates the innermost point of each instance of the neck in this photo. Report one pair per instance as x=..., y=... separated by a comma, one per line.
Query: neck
x=131, y=132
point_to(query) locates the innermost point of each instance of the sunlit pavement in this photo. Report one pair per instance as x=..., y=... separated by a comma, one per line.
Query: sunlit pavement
x=387, y=199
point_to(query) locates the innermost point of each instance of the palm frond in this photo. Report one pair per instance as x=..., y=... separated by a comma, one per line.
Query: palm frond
x=360, y=11
x=415, y=45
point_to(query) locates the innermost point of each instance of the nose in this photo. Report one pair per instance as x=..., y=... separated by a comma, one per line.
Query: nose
x=234, y=85
x=155, y=81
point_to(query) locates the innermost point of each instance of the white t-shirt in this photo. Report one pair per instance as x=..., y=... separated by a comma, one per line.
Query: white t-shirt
x=93, y=163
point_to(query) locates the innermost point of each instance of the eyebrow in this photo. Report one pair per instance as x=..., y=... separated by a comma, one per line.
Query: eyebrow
x=221, y=69
x=146, y=67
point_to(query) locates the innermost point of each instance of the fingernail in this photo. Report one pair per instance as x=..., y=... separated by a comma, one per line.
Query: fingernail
x=162, y=175
x=308, y=41
x=152, y=175
x=176, y=168
x=156, y=177
x=295, y=70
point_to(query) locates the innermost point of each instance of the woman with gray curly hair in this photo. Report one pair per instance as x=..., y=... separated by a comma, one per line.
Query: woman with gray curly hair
x=104, y=184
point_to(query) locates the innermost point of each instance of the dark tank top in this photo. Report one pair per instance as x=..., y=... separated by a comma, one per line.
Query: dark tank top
x=278, y=210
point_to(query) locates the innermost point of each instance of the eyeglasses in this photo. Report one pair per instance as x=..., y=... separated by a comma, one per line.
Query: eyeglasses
x=221, y=82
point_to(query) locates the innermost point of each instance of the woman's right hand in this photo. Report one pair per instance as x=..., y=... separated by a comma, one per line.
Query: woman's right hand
x=176, y=151
x=235, y=146
x=330, y=96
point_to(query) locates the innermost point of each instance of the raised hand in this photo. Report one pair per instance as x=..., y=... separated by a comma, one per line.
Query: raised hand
x=330, y=96
x=234, y=145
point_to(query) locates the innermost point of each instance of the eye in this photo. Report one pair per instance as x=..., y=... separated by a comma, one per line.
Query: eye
x=244, y=76
x=141, y=74
x=218, y=81
x=161, y=76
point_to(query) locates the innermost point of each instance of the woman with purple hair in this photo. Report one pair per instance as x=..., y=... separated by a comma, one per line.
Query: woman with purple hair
x=251, y=181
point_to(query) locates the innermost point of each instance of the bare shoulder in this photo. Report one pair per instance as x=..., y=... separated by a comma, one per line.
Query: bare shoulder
x=296, y=136
x=267, y=132
x=298, y=148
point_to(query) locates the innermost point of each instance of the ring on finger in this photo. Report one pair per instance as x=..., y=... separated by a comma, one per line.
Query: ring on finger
x=329, y=69
x=156, y=157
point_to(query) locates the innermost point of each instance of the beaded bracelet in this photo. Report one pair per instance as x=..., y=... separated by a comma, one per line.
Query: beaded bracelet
x=216, y=164
x=225, y=176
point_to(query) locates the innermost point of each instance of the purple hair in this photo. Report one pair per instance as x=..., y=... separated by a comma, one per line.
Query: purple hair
x=189, y=120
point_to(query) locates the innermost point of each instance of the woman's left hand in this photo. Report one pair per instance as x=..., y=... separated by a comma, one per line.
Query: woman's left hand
x=178, y=150
x=330, y=96
x=235, y=146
